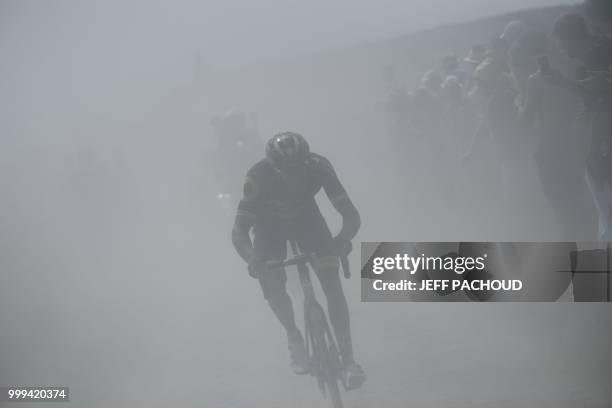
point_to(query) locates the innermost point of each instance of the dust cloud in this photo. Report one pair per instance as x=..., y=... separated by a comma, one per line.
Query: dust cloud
x=118, y=278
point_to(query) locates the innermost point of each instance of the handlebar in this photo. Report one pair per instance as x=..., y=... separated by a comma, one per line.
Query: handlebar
x=344, y=263
x=300, y=259
x=296, y=260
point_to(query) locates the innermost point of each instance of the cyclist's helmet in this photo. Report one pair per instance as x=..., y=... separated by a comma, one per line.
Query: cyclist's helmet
x=286, y=150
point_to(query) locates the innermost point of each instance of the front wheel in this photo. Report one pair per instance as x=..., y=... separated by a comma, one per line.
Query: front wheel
x=332, y=378
x=325, y=356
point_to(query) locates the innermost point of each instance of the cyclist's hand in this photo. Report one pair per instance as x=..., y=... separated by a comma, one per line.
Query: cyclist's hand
x=341, y=247
x=256, y=267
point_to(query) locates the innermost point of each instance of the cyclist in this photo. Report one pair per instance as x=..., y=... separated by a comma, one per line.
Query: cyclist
x=279, y=204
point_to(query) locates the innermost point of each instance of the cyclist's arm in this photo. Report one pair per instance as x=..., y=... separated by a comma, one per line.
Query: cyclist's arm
x=240, y=237
x=351, y=220
x=245, y=219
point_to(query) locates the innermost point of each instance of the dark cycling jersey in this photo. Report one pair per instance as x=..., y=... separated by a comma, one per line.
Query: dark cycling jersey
x=272, y=198
x=281, y=206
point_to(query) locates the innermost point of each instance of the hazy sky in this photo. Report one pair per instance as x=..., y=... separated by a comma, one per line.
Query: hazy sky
x=84, y=48
x=231, y=31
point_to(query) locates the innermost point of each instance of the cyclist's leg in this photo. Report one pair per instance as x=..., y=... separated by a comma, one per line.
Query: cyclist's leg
x=273, y=284
x=271, y=245
x=314, y=236
x=327, y=270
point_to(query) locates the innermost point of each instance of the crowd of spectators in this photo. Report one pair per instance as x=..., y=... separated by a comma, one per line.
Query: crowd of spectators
x=528, y=97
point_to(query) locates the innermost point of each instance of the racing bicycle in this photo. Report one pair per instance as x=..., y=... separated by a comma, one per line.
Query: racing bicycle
x=321, y=346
